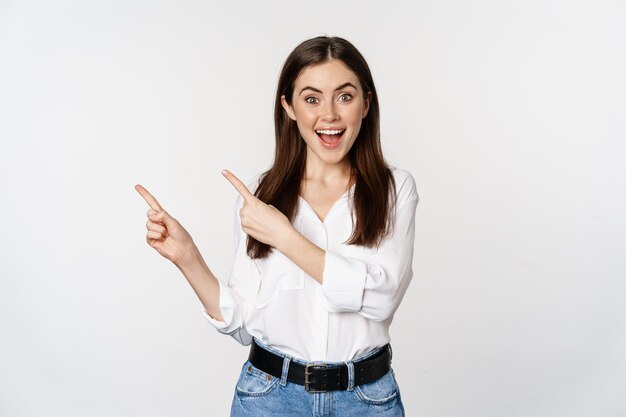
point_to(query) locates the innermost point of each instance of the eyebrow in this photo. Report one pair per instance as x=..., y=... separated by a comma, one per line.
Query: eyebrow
x=342, y=86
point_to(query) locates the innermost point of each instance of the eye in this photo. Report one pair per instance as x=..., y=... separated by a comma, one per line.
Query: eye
x=311, y=100
x=345, y=97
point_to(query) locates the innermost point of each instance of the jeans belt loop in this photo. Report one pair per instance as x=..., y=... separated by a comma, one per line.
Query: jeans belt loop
x=350, y=365
x=283, y=378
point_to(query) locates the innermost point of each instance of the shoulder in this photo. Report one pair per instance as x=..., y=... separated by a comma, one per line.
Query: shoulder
x=406, y=188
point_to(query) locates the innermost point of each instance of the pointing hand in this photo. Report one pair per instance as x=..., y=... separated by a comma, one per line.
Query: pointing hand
x=263, y=222
x=165, y=233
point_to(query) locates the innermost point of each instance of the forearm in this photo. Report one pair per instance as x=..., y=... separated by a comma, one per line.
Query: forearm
x=308, y=256
x=203, y=282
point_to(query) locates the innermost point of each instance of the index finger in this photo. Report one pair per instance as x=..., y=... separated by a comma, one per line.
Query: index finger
x=239, y=186
x=152, y=202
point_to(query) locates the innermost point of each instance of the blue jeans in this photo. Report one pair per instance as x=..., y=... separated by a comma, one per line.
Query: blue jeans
x=260, y=394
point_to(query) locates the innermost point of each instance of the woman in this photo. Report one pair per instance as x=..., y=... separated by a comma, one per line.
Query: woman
x=324, y=247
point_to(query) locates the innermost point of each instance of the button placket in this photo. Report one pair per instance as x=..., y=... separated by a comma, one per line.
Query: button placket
x=323, y=315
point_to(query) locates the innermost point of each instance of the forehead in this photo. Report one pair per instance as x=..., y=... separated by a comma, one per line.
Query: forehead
x=328, y=75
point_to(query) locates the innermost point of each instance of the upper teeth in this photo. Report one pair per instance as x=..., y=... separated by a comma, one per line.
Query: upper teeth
x=329, y=132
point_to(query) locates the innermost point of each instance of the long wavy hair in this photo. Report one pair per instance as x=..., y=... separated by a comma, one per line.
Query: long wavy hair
x=280, y=185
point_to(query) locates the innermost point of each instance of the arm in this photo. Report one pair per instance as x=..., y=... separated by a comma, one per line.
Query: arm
x=372, y=286
x=204, y=283
x=375, y=286
x=168, y=237
x=307, y=255
x=233, y=302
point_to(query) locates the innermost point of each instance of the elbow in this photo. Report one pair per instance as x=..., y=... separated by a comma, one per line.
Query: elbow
x=383, y=305
x=380, y=313
x=366, y=288
x=334, y=304
x=380, y=310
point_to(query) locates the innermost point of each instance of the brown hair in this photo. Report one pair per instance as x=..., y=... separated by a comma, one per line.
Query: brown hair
x=280, y=185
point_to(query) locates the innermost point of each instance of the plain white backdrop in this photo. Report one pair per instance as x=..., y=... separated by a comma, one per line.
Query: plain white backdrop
x=510, y=115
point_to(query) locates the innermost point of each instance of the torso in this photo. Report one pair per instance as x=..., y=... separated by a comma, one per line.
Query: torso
x=321, y=198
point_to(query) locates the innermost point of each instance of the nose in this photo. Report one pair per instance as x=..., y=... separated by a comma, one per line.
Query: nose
x=329, y=113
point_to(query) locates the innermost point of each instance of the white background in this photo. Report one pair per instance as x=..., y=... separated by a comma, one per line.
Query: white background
x=510, y=116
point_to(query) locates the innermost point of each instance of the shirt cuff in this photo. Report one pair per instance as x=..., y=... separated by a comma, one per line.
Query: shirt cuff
x=227, y=305
x=343, y=283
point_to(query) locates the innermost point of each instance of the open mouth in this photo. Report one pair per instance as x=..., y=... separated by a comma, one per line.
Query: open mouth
x=330, y=138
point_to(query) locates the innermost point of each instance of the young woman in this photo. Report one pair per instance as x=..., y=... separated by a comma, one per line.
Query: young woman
x=323, y=249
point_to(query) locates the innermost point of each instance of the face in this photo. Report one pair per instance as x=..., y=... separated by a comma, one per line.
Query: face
x=328, y=105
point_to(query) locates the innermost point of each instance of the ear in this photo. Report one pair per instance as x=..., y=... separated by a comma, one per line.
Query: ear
x=288, y=108
x=366, y=104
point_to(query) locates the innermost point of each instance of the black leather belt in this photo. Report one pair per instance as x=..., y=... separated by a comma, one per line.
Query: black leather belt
x=320, y=377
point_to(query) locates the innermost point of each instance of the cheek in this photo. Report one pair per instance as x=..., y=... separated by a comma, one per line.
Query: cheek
x=305, y=118
x=304, y=128
x=356, y=124
x=353, y=114
x=355, y=120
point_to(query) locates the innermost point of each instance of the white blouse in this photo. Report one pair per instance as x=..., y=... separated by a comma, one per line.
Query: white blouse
x=275, y=301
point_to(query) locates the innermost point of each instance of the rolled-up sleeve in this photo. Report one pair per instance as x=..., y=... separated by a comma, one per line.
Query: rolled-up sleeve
x=374, y=287
x=236, y=297
x=233, y=309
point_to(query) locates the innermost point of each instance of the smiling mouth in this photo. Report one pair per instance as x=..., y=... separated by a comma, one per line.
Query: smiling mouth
x=330, y=137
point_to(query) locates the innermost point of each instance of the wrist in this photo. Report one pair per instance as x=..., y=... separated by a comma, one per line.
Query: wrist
x=190, y=260
x=287, y=239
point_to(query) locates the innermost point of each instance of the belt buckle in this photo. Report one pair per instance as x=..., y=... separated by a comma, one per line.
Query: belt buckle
x=307, y=373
